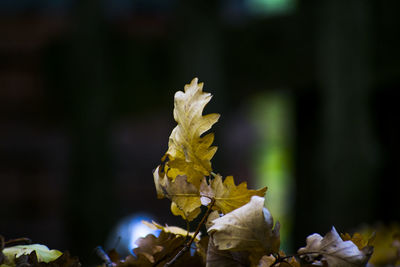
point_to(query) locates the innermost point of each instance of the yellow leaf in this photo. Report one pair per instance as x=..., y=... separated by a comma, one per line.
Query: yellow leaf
x=248, y=228
x=189, y=216
x=386, y=250
x=171, y=229
x=188, y=152
x=42, y=252
x=359, y=240
x=185, y=196
x=227, y=195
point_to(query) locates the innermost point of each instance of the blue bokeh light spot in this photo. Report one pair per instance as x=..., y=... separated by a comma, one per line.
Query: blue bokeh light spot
x=128, y=230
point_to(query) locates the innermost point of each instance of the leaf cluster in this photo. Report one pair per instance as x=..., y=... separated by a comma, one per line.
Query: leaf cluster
x=241, y=231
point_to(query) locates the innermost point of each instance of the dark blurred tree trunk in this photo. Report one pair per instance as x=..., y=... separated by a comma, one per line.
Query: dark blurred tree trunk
x=91, y=187
x=197, y=46
x=348, y=155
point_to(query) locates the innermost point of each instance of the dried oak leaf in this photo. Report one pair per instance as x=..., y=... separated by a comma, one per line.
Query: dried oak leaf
x=333, y=251
x=213, y=215
x=267, y=261
x=152, y=250
x=148, y=247
x=248, y=228
x=171, y=229
x=225, y=258
x=189, y=153
x=185, y=196
x=188, y=216
x=227, y=195
x=156, y=251
x=281, y=261
x=386, y=251
x=358, y=239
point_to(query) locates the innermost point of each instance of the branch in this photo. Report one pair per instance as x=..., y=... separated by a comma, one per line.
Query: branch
x=188, y=244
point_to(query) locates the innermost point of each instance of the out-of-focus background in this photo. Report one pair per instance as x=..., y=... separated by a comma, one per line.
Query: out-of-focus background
x=308, y=91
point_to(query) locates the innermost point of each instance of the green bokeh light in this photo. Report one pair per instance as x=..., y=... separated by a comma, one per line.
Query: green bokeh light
x=271, y=7
x=272, y=117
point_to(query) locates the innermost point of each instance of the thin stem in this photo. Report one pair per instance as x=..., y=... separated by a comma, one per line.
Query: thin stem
x=187, y=245
x=279, y=259
x=187, y=229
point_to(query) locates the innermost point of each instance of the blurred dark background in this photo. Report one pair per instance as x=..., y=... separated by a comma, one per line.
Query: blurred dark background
x=86, y=99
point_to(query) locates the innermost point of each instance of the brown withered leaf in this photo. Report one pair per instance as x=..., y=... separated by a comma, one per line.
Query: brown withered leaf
x=160, y=181
x=334, y=251
x=267, y=261
x=152, y=250
x=248, y=228
x=148, y=247
x=281, y=261
x=157, y=251
x=225, y=258
x=227, y=195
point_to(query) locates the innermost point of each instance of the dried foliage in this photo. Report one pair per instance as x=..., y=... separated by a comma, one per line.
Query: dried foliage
x=241, y=230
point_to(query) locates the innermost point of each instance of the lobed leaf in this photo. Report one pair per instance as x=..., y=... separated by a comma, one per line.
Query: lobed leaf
x=334, y=251
x=188, y=152
x=272, y=261
x=386, y=244
x=185, y=196
x=248, y=228
x=171, y=229
x=358, y=239
x=227, y=195
x=157, y=251
x=225, y=258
